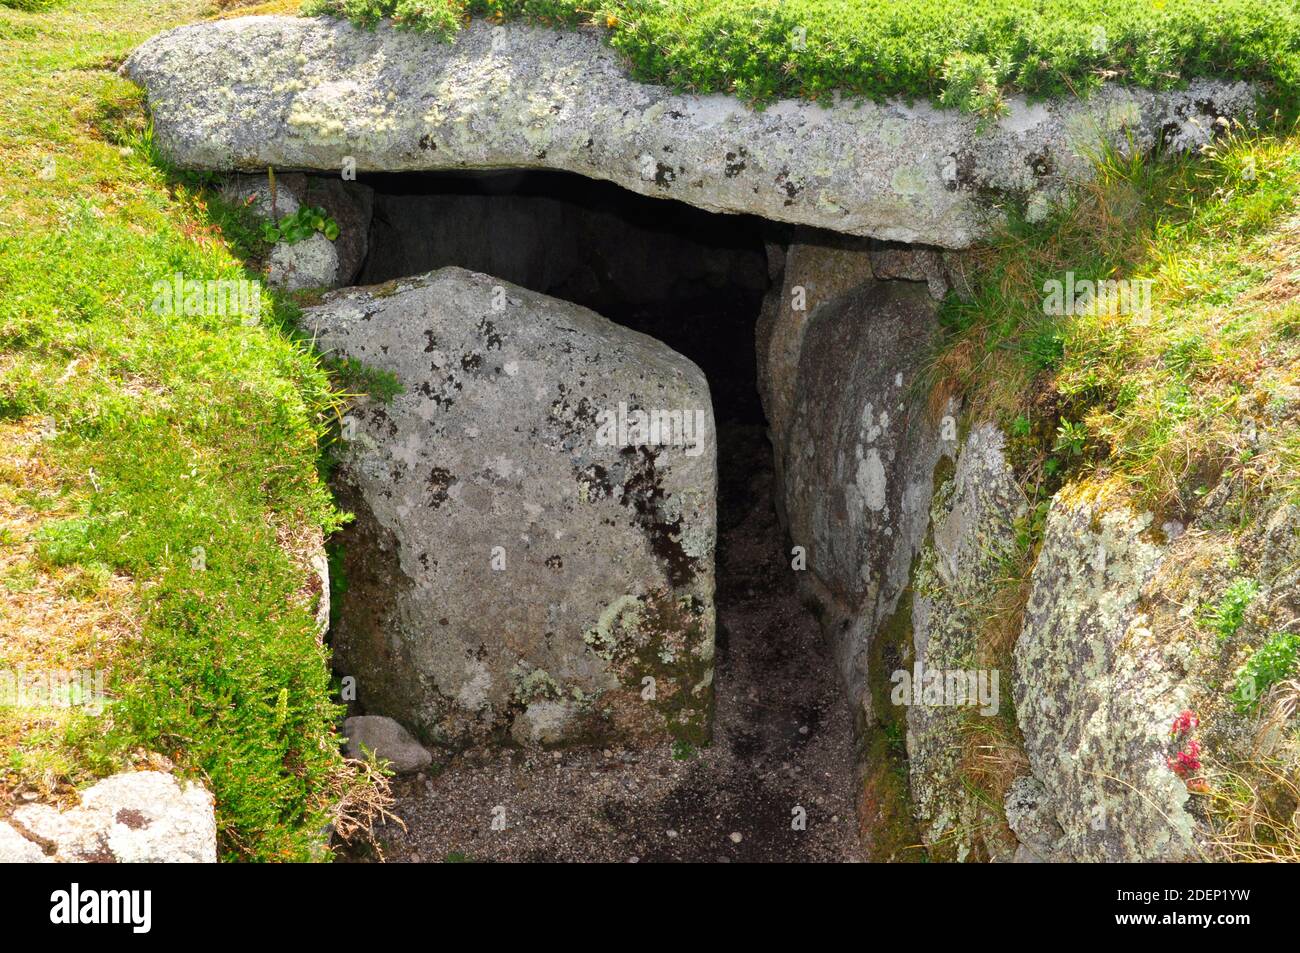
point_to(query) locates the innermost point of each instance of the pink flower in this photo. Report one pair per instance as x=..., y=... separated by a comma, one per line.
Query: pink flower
x=1186, y=761
x=1184, y=724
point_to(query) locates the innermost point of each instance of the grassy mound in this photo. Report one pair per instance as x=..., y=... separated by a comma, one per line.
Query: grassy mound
x=1183, y=391
x=964, y=54
x=1182, y=375
x=159, y=487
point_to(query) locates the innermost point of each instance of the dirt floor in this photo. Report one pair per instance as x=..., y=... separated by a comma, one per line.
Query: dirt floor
x=782, y=740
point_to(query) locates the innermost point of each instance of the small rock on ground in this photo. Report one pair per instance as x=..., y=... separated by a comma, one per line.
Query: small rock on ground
x=388, y=740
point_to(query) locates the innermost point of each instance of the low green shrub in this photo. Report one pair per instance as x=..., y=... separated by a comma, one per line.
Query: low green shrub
x=1226, y=616
x=963, y=53
x=1275, y=660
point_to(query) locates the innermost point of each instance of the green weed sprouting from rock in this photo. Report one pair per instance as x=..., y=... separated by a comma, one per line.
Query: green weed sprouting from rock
x=1275, y=660
x=1226, y=616
x=300, y=225
x=356, y=378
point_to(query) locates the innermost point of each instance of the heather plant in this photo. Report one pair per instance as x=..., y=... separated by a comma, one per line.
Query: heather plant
x=964, y=53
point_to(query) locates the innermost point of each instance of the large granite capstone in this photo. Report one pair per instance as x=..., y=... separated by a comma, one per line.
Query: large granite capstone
x=252, y=92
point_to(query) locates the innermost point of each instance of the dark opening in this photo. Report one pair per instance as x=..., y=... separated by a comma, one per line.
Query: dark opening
x=696, y=281
x=693, y=279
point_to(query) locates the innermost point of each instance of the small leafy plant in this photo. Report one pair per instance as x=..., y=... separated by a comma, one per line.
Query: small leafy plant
x=1226, y=616
x=1276, y=659
x=1071, y=438
x=683, y=750
x=300, y=225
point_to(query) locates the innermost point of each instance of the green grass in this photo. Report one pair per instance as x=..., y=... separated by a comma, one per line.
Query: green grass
x=1278, y=658
x=1165, y=399
x=1227, y=615
x=30, y=5
x=169, y=437
x=966, y=53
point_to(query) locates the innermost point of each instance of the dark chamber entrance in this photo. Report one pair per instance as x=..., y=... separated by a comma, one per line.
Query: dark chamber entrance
x=782, y=741
x=689, y=278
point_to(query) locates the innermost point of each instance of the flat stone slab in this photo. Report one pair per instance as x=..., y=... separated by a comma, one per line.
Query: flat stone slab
x=298, y=93
x=859, y=457
x=1094, y=697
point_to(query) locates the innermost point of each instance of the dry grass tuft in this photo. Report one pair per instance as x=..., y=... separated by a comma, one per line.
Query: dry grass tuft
x=1256, y=810
x=362, y=797
x=226, y=9
x=991, y=759
x=51, y=617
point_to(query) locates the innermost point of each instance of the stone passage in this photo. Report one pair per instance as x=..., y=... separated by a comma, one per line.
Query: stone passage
x=800, y=332
x=527, y=559
x=532, y=558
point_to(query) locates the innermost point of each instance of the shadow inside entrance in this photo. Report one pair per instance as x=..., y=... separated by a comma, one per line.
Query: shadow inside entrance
x=777, y=783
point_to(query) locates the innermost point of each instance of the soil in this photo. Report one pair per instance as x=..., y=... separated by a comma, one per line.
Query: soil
x=782, y=743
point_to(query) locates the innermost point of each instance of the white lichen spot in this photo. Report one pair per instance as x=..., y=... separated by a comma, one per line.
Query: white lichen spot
x=624, y=612
x=473, y=693
x=871, y=481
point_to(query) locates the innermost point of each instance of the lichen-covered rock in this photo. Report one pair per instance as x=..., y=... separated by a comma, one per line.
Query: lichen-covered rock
x=17, y=849
x=1030, y=817
x=134, y=817
x=1237, y=536
x=253, y=92
x=815, y=270
x=254, y=192
x=1095, y=693
x=319, y=585
x=972, y=538
x=309, y=263
x=526, y=560
x=858, y=462
x=908, y=263
x=387, y=740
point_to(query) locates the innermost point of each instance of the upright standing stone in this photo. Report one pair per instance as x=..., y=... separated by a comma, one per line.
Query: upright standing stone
x=858, y=460
x=527, y=559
